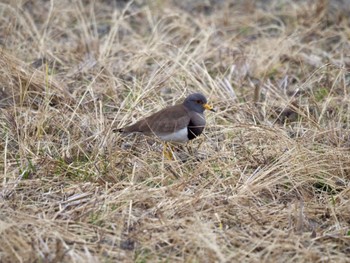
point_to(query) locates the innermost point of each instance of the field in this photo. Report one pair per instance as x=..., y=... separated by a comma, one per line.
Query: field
x=267, y=181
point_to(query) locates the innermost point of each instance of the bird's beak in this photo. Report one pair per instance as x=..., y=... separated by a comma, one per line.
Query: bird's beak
x=208, y=107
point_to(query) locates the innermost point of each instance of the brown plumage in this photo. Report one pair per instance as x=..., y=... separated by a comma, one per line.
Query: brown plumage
x=178, y=123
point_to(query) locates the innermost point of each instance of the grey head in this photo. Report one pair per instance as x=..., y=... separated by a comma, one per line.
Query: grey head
x=197, y=102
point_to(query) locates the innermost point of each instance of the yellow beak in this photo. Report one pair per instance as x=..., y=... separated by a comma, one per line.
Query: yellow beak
x=208, y=107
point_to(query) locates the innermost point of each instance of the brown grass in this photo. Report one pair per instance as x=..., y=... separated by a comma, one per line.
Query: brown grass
x=267, y=182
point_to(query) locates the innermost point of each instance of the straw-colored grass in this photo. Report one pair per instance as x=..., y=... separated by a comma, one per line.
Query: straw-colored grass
x=268, y=181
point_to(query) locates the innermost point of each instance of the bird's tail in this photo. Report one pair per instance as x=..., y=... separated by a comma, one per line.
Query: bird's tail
x=118, y=130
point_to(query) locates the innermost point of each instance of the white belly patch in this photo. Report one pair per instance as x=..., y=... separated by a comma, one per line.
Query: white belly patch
x=178, y=136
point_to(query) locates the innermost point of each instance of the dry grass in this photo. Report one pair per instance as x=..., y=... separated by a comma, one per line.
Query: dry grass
x=267, y=182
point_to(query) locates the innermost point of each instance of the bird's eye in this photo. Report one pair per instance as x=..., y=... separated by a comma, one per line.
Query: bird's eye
x=198, y=101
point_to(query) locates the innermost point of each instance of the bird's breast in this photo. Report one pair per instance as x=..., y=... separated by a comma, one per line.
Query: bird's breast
x=196, y=126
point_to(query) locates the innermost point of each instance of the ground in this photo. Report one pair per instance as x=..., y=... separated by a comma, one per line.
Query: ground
x=269, y=179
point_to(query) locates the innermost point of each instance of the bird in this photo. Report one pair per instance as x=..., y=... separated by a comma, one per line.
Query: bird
x=175, y=124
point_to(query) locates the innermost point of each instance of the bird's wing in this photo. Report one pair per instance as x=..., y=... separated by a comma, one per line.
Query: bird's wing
x=166, y=121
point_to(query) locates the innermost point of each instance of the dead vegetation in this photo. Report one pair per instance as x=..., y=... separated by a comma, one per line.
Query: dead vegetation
x=267, y=182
